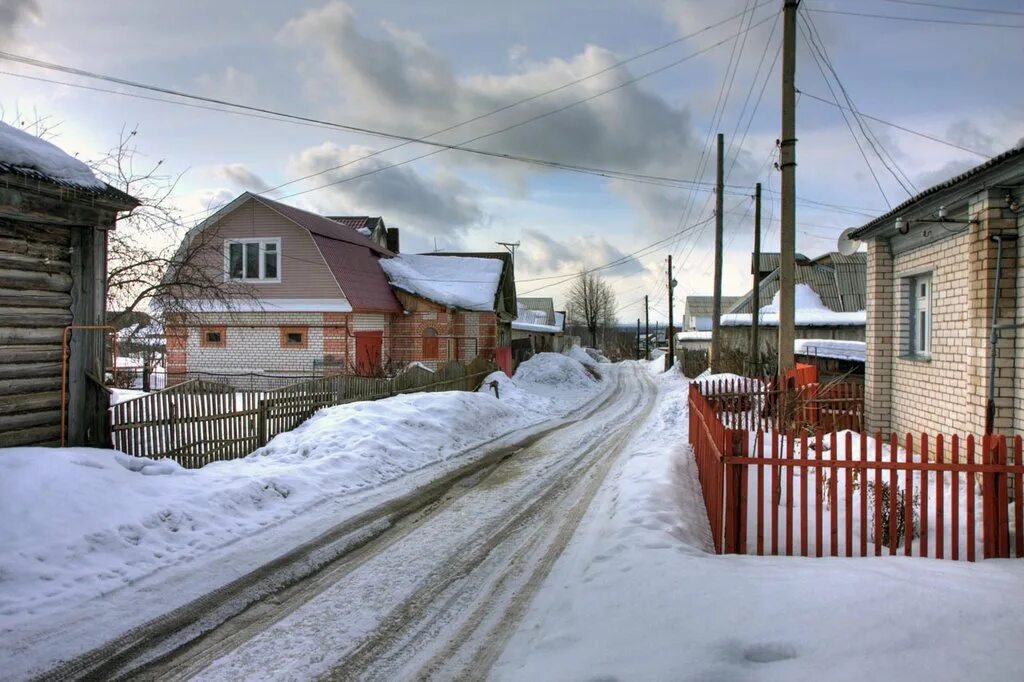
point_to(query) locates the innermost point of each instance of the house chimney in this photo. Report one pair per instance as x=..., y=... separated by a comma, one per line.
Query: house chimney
x=393, y=239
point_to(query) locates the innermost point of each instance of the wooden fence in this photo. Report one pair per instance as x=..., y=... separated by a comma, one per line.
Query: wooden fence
x=750, y=404
x=831, y=494
x=199, y=421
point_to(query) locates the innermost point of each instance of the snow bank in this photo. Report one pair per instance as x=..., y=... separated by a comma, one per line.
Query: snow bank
x=638, y=595
x=79, y=523
x=457, y=281
x=581, y=356
x=26, y=152
x=831, y=348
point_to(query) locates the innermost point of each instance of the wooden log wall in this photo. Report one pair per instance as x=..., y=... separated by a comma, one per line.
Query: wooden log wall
x=35, y=306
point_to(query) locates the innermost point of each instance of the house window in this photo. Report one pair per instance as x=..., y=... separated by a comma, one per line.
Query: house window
x=294, y=337
x=920, y=322
x=213, y=337
x=430, y=347
x=253, y=259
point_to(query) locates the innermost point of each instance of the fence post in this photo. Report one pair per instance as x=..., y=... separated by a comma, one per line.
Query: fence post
x=261, y=422
x=735, y=499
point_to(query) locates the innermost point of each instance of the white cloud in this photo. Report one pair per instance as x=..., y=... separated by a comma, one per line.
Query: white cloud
x=229, y=83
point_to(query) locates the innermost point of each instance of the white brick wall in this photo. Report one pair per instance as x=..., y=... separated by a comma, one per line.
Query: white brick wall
x=257, y=348
x=930, y=395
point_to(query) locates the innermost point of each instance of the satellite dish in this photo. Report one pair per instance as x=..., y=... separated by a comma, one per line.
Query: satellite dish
x=847, y=246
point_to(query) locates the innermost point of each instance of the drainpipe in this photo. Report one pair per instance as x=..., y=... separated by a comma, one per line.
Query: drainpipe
x=990, y=406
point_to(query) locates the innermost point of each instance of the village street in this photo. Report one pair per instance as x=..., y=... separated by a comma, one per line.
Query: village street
x=432, y=576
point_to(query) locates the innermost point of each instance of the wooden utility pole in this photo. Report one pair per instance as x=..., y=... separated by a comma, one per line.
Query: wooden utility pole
x=671, y=359
x=638, y=338
x=787, y=164
x=755, y=304
x=647, y=330
x=716, y=306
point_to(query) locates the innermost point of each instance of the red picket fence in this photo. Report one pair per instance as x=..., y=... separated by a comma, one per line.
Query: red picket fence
x=848, y=494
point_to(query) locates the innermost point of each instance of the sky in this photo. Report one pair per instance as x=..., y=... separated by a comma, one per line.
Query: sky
x=543, y=80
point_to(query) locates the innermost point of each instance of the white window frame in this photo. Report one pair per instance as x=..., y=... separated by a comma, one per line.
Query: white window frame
x=263, y=243
x=920, y=322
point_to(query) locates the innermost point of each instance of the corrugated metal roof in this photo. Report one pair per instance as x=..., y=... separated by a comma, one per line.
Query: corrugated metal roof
x=840, y=281
x=108, y=192
x=545, y=305
x=702, y=306
x=1015, y=155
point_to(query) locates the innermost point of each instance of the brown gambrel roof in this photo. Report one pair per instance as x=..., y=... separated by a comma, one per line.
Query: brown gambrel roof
x=351, y=257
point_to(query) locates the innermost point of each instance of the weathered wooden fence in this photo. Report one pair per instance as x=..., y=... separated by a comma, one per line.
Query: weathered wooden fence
x=199, y=421
x=749, y=404
x=831, y=494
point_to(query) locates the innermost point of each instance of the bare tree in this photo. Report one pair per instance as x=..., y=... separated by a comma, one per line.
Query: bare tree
x=591, y=303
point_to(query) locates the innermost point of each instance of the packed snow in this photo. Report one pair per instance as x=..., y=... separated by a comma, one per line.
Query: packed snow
x=639, y=595
x=831, y=348
x=81, y=523
x=809, y=311
x=457, y=281
x=25, y=152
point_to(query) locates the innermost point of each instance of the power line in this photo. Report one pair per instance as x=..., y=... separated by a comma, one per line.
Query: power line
x=898, y=126
x=876, y=144
x=925, y=20
x=959, y=8
x=406, y=139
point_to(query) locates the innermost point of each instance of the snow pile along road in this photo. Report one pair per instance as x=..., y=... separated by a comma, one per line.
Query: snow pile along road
x=639, y=595
x=80, y=523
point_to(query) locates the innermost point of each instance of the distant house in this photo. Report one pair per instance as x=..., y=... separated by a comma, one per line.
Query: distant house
x=305, y=294
x=931, y=272
x=830, y=300
x=54, y=216
x=539, y=325
x=697, y=311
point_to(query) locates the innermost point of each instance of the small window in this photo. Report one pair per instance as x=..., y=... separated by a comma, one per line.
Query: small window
x=430, y=346
x=294, y=337
x=920, y=323
x=253, y=259
x=212, y=337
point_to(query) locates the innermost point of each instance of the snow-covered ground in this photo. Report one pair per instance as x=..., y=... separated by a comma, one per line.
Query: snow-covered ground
x=83, y=524
x=638, y=595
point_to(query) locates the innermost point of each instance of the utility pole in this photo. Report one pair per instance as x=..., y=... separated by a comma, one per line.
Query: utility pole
x=647, y=330
x=511, y=248
x=716, y=306
x=787, y=164
x=638, y=338
x=755, y=304
x=671, y=359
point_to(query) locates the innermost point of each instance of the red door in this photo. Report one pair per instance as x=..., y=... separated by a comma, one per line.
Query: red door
x=368, y=346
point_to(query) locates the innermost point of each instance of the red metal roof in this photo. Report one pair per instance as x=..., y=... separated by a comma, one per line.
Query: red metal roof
x=351, y=257
x=359, y=275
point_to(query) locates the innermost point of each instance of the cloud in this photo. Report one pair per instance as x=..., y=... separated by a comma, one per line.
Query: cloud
x=230, y=84
x=541, y=253
x=243, y=177
x=14, y=14
x=440, y=204
x=397, y=81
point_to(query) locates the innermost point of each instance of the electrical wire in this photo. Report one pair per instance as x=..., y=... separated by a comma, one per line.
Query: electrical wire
x=958, y=8
x=926, y=20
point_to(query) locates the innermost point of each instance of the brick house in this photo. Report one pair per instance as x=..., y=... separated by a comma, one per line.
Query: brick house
x=931, y=281
x=305, y=295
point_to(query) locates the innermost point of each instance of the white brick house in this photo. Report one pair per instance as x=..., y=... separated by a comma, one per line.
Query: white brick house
x=931, y=291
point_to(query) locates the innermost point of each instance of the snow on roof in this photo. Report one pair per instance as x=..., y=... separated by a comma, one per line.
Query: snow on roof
x=694, y=336
x=831, y=348
x=529, y=320
x=810, y=312
x=26, y=153
x=455, y=281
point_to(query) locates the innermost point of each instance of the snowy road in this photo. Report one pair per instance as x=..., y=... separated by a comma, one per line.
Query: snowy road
x=438, y=593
